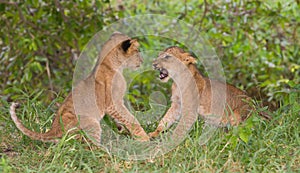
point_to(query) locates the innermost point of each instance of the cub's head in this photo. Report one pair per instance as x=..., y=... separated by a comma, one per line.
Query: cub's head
x=122, y=51
x=168, y=60
x=130, y=52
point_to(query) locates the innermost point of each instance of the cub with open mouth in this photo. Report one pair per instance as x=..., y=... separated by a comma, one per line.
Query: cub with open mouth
x=161, y=64
x=163, y=74
x=236, y=110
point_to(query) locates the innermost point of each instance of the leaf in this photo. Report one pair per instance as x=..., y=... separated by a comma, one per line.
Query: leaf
x=36, y=67
x=244, y=134
x=234, y=140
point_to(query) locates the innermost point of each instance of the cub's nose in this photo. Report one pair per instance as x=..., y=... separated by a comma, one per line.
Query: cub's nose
x=154, y=64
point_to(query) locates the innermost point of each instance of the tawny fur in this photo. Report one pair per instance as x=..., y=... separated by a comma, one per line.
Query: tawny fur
x=117, y=53
x=237, y=102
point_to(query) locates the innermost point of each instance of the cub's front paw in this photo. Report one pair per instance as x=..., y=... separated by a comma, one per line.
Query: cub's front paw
x=144, y=138
x=154, y=134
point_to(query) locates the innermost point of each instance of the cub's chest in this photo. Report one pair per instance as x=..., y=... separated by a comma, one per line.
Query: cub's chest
x=118, y=85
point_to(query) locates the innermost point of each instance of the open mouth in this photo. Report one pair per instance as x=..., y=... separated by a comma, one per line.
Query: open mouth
x=163, y=73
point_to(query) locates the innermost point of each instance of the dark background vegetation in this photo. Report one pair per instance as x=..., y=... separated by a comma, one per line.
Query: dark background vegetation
x=257, y=41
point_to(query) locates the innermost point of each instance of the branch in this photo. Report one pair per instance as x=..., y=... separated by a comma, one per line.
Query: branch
x=204, y=13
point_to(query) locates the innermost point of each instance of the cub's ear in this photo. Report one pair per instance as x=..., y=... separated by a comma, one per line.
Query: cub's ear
x=135, y=42
x=193, y=60
x=189, y=59
x=125, y=45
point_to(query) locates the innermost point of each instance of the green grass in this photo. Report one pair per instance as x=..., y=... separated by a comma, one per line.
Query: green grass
x=272, y=146
x=257, y=42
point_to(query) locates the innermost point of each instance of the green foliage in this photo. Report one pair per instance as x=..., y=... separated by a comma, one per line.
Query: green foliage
x=142, y=86
x=4, y=166
x=42, y=40
x=257, y=41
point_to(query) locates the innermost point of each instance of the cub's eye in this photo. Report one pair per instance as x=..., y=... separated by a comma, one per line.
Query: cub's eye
x=167, y=56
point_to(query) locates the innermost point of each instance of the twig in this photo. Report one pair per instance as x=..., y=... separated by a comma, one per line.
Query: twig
x=204, y=13
x=49, y=75
x=8, y=3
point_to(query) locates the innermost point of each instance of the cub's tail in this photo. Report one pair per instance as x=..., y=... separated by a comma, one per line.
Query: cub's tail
x=49, y=136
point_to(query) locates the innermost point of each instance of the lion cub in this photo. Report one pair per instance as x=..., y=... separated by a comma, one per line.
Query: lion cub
x=235, y=111
x=99, y=94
